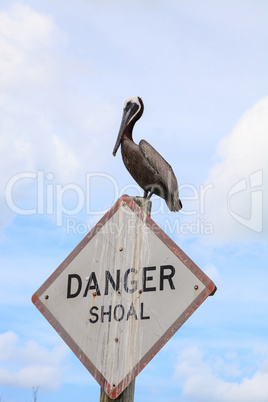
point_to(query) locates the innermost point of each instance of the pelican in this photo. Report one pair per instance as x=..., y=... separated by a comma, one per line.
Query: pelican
x=147, y=167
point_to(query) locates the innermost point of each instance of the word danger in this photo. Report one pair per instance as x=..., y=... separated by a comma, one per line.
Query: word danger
x=130, y=281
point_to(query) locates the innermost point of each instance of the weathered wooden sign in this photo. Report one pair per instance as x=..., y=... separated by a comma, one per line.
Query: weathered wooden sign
x=121, y=294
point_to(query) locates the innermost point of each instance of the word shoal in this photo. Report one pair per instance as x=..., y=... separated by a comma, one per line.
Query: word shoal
x=117, y=313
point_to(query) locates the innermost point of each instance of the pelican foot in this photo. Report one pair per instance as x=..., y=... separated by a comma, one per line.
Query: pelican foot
x=150, y=195
x=145, y=194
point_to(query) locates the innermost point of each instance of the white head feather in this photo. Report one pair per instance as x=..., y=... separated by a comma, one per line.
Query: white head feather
x=133, y=99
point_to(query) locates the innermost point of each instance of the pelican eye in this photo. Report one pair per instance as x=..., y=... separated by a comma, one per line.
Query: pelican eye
x=133, y=107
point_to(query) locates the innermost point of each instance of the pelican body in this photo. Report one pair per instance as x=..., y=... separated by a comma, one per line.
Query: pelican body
x=147, y=167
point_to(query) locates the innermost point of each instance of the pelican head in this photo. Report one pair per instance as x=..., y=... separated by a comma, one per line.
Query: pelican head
x=133, y=106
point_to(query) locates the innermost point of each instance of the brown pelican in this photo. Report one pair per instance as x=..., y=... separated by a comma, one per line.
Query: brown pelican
x=147, y=167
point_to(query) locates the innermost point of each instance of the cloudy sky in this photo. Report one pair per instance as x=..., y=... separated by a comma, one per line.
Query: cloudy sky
x=66, y=68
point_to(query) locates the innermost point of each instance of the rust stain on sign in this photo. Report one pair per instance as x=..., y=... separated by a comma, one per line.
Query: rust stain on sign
x=111, y=299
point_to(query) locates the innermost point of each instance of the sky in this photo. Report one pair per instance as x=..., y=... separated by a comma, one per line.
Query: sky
x=66, y=68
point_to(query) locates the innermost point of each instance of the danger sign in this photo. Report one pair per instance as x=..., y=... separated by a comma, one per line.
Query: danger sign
x=121, y=294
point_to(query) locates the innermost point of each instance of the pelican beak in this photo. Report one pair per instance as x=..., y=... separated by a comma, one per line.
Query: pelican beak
x=128, y=112
x=120, y=134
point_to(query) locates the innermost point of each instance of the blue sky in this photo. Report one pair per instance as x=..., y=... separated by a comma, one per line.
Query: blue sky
x=66, y=68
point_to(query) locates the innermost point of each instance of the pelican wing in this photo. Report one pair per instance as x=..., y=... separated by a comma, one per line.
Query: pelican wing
x=161, y=166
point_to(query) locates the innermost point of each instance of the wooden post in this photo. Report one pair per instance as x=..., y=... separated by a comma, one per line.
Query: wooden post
x=128, y=393
x=126, y=396
x=144, y=204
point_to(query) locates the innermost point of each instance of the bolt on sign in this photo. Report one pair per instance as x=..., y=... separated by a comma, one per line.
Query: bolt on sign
x=121, y=294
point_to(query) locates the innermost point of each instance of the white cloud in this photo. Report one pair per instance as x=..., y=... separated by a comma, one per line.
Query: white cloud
x=212, y=272
x=23, y=32
x=201, y=382
x=46, y=123
x=26, y=66
x=236, y=204
x=30, y=365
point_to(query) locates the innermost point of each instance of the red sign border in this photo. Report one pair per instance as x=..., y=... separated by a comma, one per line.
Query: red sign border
x=210, y=288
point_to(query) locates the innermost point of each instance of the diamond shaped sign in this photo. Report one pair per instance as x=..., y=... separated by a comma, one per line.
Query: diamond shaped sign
x=121, y=294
